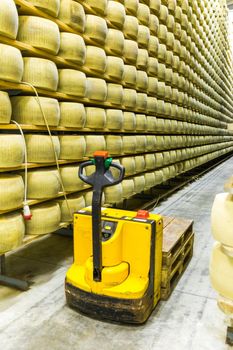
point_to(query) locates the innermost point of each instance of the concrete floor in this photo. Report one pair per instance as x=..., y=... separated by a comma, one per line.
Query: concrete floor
x=189, y=320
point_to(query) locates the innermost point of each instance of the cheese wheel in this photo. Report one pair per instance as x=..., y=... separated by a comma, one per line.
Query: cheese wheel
x=153, y=24
x=129, y=76
x=222, y=208
x=114, y=43
x=45, y=219
x=43, y=183
x=150, y=143
x=88, y=198
x=72, y=48
x=153, y=46
x=96, y=60
x=131, y=6
x=99, y=6
x=141, y=104
x=129, y=164
x=70, y=178
x=130, y=28
x=140, y=143
x=94, y=143
x=143, y=36
x=12, y=191
x=73, y=114
x=114, y=119
x=95, y=29
x=151, y=105
x=150, y=161
x=72, y=147
x=8, y=19
x=12, y=231
x=129, y=121
x=221, y=272
x=152, y=68
x=130, y=53
x=113, y=194
x=72, y=82
x=114, y=68
x=152, y=86
x=40, y=33
x=51, y=7
x=155, y=6
x=149, y=180
x=151, y=123
x=142, y=81
x=11, y=150
x=158, y=177
x=5, y=108
x=129, y=144
x=114, y=144
x=140, y=164
x=26, y=110
x=40, y=148
x=159, y=159
x=75, y=202
x=129, y=98
x=95, y=118
x=127, y=188
x=72, y=13
x=11, y=64
x=140, y=122
x=41, y=73
x=143, y=14
x=142, y=59
x=162, y=33
x=115, y=94
x=115, y=14
x=96, y=89
x=139, y=183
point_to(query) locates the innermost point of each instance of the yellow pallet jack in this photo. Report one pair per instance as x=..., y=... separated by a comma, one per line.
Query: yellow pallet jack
x=116, y=273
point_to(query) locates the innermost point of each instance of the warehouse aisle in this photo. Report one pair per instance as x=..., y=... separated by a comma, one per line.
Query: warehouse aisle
x=189, y=320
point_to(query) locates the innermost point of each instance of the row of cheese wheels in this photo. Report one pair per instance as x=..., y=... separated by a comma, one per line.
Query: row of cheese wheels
x=40, y=148
x=46, y=183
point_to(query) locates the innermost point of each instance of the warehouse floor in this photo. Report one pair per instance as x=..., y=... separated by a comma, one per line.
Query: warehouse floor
x=190, y=319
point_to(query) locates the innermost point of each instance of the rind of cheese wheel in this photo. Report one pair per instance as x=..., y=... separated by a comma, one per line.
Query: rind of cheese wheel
x=12, y=191
x=72, y=82
x=221, y=272
x=129, y=121
x=95, y=118
x=11, y=64
x=153, y=46
x=96, y=60
x=8, y=19
x=139, y=183
x=5, y=108
x=150, y=143
x=99, y=6
x=142, y=59
x=51, y=7
x=143, y=14
x=72, y=48
x=222, y=208
x=129, y=144
x=129, y=98
x=158, y=177
x=129, y=76
x=113, y=194
x=40, y=148
x=96, y=89
x=140, y=122
x=152, y=68
x=130, y=28
x=150, y=161
x=41, y=73
x=94, y=143
x=159, y=159
x=151, y=123
x=130, y=53
x=114, y=43
x=95, y=29
x=114, y=144
x=72, y=13
x=151, y=105
x=70, y=178
x=141, y=103
x=153, y=24
x=140, y=164
x=131, y=6
x=12, y=231
x=26, y=110
x=129, y=164
x=142, y=81
x=143, y=36
x=141, y=143
x=11, y=150
x=43, y=183
x=115, y=94
x=73, y=114
x=40, y=33
x=115, y=68
x=45, y=219
x=127, y=188
x=75, y=202
x=115, y=14
x=72, y=147
x=149, y=180
x=114, y=119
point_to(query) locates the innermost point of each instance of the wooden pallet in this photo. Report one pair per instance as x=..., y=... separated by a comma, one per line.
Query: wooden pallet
x=178, y=238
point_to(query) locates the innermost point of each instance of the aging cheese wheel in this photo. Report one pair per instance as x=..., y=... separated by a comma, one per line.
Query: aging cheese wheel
x=140, y=164
x=95, y=118
x=129, y=98
x=11, y=150
x=11, y=64
x=141, y=143
x=129, y=121
x=72, y=48
x=113, y=194
x=41, y=73
x=130, y=53
x=72, y=147
x=141, y=104
x=152, y=68
x=139, y=183
x=12, y=231
x=96, y=60
x=115, y=14
x=155, y=6
x=149, y=180
x=142, y=81
x=158, y=177
x=96, y=89
x=150, y=161
x=114, y=43
x=5, y=108
x=95, y=29
x=114, y=119
x=70, y=178
x=72, y=82
x=143, y=14
x=114, y=68
x=150, y=143
x=153, y=24
x=99, y=6
x=75, y=202
x=143, y=36
x=142, y=59
x=40, y=148
x=26, y=110
x=51, y=7
x=12, y=191
x=40, y=33
x=8, y=19
x=140, y=122
x=94, y=143
x=73, y=114
x=152, y=86
x=129, y=165
x=151, y=105
x=114, y=144
x=72, y=13
x=129, y=144
x=115, y=94
x=129, y=76
x=45, y=219
x=153, y=46
x=127, y=188
x=43, y=183
x=130, y=28
x=131, y=6
x=151, y=123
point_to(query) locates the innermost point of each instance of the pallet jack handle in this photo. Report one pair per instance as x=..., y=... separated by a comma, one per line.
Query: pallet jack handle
x=101, y=178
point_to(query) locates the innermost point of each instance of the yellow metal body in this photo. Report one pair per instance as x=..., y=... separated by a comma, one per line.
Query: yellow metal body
x=126, y=256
